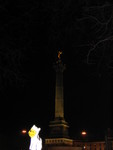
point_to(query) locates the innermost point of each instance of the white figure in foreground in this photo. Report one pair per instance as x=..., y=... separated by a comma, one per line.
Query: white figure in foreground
x=35, y=141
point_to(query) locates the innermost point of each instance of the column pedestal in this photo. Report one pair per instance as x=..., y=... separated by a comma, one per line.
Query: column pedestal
x=59, y=128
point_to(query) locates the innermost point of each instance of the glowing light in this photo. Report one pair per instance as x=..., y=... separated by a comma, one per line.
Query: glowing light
x=84, y=133
x=84, y=147
x=32, y=133
x=24, y=131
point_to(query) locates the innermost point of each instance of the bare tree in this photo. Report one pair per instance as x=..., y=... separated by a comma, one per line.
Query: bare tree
x=95, y=25
x=13, y=46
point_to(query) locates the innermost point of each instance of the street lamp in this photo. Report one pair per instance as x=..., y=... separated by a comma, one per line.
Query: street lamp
x=24, y=131
x=24, y=139
x=83, y=133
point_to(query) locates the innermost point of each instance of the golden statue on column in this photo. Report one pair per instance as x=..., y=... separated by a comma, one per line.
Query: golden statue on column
x=59, y=54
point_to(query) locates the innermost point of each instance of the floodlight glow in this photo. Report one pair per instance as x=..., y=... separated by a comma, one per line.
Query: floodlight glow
x=32, y=133
x=84, y=147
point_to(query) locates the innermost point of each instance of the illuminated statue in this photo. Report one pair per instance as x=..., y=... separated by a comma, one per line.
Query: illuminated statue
x=35, y=141
x=59, y=53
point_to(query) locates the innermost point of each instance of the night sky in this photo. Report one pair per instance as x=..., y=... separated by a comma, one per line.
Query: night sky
x=31, y=34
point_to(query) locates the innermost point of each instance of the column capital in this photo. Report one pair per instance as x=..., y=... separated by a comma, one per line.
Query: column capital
x=59, y=67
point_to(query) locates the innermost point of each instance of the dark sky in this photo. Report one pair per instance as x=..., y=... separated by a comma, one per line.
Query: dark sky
x=31, y=34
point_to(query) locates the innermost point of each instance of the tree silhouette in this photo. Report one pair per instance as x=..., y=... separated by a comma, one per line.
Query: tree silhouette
x=15, y=43
x=95, y=26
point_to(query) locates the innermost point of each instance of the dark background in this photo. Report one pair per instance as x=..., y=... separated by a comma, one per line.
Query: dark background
x=31, y=33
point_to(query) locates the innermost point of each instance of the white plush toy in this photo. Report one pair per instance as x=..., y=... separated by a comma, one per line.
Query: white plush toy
x=35, y=141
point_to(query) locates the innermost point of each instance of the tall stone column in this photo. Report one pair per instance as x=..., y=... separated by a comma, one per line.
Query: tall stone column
x=59, y=127
x=59, y=97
